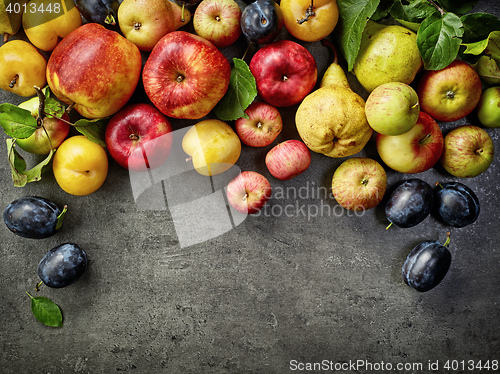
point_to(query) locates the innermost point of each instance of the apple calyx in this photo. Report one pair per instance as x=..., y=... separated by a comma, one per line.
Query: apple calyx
x=309, y=13
x=478, y=151
x=424, y=139
x=450, y=95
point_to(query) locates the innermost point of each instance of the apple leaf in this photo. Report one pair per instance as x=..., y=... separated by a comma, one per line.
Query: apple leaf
x=353, y=16
x=457, y=6
x=93, y=129
x=438, y=40
x=490, y=45
x=414, y=12
x=46, y=311
x=21, y=176
x=17, y=122
x=240, y=94
x=477, y=26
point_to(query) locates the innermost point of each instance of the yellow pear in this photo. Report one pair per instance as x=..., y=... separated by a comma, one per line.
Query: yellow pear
x=213, y=146
x=332, y=120
x=11, y=14
x=388, y=53
x=145, y=22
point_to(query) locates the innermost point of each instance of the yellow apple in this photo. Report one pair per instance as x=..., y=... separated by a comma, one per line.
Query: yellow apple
x=46, y=28
x=213, y=146
x=80, y=166
x=21, y=68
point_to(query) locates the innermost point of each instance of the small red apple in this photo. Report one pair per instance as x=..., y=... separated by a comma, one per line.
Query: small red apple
x=450, y=93
x=414, y=151
x=285, y=72
x=139, y=137
x=218, y=21
x=263, y=125
x=288, y=159
x=185, y=75
x=248, y=192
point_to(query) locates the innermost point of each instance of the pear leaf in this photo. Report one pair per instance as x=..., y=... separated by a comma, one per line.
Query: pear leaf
x=438, y=40
x=414, y=12
x=240, y=94
x=17, y=122
x=46, y=311
x=93, y=129
x=21, y=176
x=353, y=16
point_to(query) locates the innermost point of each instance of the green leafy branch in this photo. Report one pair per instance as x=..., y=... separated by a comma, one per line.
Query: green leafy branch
x=443, y=27
x=19, y=123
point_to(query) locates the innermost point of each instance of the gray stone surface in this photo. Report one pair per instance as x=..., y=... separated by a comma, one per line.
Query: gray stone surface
x=280, y=288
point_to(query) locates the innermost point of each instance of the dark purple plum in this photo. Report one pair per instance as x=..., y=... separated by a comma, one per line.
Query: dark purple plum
x=62, y=265
x=32, y=217
x=99, y=11
x=261, y=21
x=410, y=203
x=456, y=204
x=426, y=265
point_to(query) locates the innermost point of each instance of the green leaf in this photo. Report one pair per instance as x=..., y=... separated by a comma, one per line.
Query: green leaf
x=21, y=176
x=17, y=122
x=490, y=45
x=477, y=26
x=382, y=10
x=46, y=311
x=93, y=129
x=240, y=94
x=488, y=69
x=414, y=12
x=438, y=40
x=457, y=6
x=353, y=16
x=60, y=217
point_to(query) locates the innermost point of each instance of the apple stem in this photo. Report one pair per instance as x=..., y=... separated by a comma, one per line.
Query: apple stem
x=70, y=107
x=437, y=7
x=478, y=151
x=309, y=13
x=13, y=81
x=246, y=50
x=5, y=38
x=427, y=136
x=259, y=125
x=245, y=197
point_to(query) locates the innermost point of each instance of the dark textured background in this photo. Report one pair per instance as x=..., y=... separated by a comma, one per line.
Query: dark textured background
x=272, y=290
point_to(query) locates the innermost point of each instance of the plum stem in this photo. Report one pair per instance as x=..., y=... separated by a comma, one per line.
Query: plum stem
x=390, y=224
x=37, y=287
x=448, y=239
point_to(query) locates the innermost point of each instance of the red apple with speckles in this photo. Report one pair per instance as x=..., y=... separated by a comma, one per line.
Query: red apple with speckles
x=248, y=192
x=95, y=69
x=185, y=75
x=416, y=150
x=139, y=137
x=285, y=72
x=263, y=125
x=288, y=159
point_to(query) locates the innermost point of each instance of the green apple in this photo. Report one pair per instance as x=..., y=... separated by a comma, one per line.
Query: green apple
x=46, y=137
x=468, y=151
x=392, y=108
x=488, y=108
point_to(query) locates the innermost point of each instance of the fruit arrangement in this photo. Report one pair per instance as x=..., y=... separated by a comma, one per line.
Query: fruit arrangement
x=107, y=81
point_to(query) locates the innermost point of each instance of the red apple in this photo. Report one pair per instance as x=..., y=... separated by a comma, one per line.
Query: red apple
x=218, y=21
x=468, y=151
x=248, y=192
x=414, y=151
x=288, y=159
x=450, y=93
x=359, y=183
x=285, y=72
x=95, y=69
x=139, y=137
x=263, y=125
x=46, y=137
x=185, y=75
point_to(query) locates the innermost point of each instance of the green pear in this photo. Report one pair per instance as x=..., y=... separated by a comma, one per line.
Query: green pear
x=388, y=53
